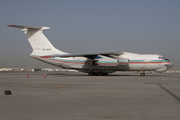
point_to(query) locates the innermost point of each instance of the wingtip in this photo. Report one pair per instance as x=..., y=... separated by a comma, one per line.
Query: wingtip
x=11, y=25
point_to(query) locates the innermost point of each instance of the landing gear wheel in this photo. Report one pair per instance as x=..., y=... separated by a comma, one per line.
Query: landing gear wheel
x=105, y=74
x=100, y=74
x=90, y=73
x=142, y=74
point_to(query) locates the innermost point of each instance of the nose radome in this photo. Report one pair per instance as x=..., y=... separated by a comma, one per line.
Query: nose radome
x=170, y=65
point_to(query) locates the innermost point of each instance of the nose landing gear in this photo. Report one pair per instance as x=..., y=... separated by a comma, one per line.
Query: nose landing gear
x=98, y=74
x=142, y=72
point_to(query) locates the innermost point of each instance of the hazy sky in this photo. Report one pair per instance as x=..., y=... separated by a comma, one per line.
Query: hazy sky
x=139, y=26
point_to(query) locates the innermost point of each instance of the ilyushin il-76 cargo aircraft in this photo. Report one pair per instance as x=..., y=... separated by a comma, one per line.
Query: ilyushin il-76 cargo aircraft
x=93, y=63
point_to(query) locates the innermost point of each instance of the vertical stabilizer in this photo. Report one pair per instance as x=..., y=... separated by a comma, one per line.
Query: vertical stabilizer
x=38, y=41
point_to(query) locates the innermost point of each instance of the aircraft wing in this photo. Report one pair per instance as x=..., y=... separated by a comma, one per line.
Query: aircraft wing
x=92, y=55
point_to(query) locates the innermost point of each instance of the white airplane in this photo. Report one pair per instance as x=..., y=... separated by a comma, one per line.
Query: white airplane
x=95, y=63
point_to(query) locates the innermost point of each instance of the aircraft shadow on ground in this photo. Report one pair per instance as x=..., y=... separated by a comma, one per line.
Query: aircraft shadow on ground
x=79, y=74
x=168, y=91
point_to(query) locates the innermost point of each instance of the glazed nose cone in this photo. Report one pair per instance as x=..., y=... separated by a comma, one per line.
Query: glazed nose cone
x=170, y=65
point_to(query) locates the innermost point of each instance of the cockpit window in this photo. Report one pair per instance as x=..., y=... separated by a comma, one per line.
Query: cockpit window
x=160, y=57
x=163, y=58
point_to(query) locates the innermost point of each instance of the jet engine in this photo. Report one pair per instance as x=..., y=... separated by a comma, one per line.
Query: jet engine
x=123, y=61
x=110, y=62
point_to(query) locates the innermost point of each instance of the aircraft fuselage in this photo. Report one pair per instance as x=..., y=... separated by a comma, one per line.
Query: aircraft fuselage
x=136, y=62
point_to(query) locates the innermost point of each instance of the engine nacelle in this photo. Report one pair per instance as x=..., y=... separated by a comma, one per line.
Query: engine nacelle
x=123, y=61
x=110, y=62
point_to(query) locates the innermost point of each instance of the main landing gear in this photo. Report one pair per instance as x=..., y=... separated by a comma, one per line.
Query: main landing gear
x=97, y=74
x=142, y=72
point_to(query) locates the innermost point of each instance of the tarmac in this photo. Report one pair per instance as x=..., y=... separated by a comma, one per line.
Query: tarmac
x=77, y=96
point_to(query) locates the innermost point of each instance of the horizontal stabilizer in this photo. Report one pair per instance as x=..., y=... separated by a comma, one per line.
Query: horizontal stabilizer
x=24, y=27
x=28, y=27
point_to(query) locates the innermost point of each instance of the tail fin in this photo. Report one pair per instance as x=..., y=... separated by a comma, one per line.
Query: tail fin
x=38, y=41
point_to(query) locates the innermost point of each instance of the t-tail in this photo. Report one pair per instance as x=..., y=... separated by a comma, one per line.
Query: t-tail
x=38, y=41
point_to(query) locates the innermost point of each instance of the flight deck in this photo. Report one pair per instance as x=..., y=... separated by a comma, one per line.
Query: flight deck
x=77, y=96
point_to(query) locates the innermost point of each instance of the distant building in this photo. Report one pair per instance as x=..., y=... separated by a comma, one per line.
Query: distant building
x=70, y=70
x=16, y=69
x=36, y=70
x=5, y=69
x=51, y=69
x=27, y=69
